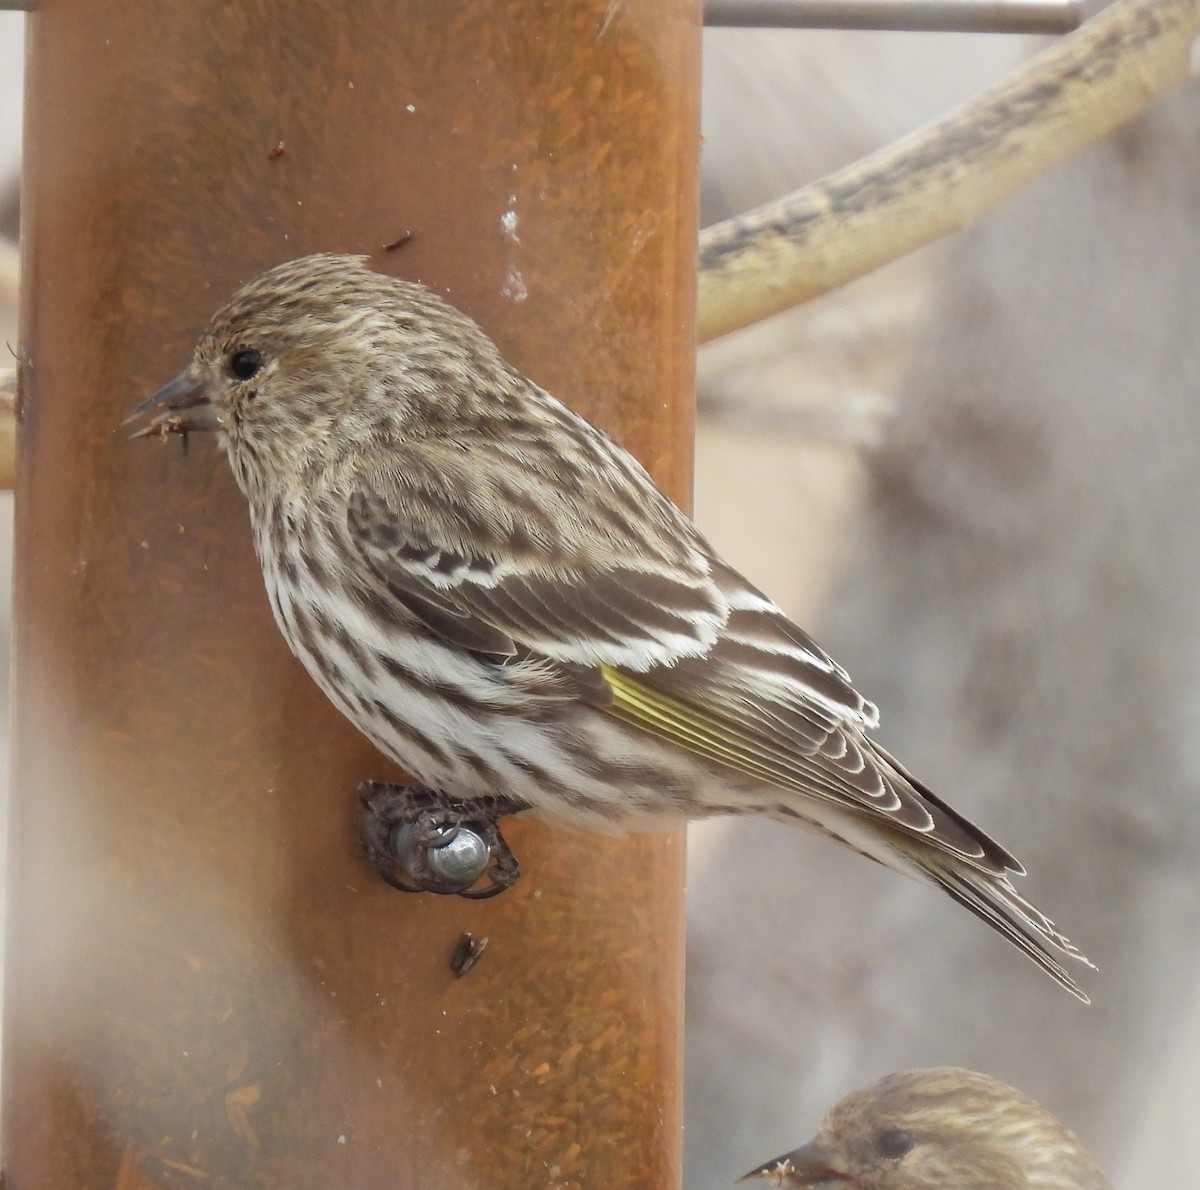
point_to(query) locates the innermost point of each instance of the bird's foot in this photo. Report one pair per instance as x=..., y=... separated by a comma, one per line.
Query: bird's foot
x=422, y=841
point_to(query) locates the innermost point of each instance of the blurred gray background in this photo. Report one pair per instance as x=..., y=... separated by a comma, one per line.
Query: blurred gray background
x=976, y=476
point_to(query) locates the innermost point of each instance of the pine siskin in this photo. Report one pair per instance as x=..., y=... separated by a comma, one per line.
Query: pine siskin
x=500, y=598
x=938, y=1128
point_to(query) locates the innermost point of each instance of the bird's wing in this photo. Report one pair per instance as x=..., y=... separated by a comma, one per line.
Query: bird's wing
x=501, y=564
x=768, y=701
x=674, y=641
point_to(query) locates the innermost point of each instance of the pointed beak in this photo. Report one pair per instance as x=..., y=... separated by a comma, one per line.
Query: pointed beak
x=810, y=1165
x=179, y=407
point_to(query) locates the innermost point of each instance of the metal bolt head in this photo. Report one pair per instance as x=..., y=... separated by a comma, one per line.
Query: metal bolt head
x=455, y=857
x=462, y=859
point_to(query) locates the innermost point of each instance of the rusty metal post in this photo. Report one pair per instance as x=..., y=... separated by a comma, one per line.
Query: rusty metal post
x=207, y=987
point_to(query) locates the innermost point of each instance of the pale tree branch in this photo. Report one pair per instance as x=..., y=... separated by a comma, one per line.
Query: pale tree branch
x=943, y=176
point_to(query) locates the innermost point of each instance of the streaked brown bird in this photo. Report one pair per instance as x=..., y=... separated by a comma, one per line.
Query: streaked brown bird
x=938, y=1129
x=497, y=594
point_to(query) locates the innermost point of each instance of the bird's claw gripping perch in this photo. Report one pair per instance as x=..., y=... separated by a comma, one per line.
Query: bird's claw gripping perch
x=422, y=841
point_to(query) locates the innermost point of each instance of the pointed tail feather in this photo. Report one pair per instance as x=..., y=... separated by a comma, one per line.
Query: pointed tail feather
x=994, y=900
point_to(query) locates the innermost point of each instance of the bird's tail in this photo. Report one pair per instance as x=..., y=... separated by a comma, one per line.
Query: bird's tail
x=992, y=898
x=979, y=876
x=953, y=853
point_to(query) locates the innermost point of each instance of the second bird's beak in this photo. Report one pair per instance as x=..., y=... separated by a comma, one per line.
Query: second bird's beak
x=810, y=1165
x=179, y=407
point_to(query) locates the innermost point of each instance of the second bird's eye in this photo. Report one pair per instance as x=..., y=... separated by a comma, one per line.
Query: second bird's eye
x=894, y=1143
x=245, y=363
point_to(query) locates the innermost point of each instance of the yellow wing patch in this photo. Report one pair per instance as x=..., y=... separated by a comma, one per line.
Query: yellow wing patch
x=727, y=742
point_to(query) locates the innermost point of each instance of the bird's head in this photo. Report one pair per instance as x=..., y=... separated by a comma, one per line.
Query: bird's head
x=322, y=355
x=921, y=1129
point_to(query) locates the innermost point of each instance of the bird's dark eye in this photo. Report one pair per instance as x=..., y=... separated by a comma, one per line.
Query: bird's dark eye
x=894, y=1143
x=245, y=363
